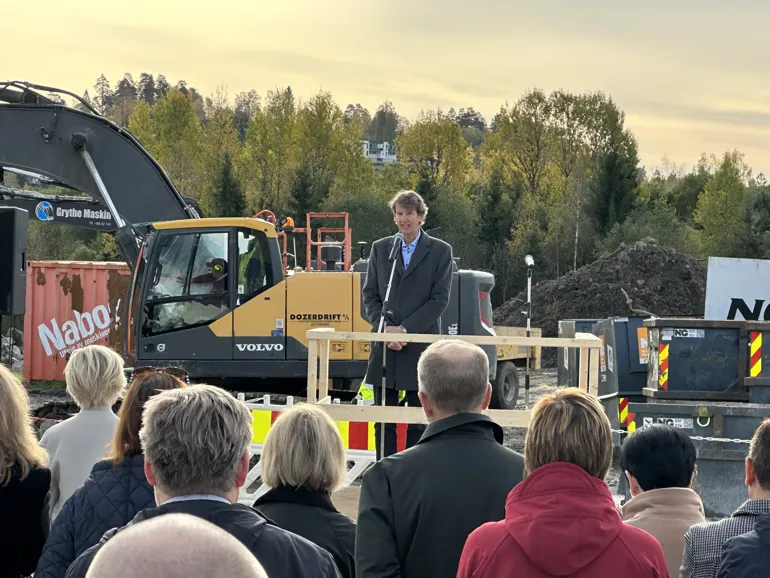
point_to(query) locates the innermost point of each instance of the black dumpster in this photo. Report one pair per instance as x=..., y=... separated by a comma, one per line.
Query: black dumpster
x=697, y=359
x=624, y=360
x=720, y=477
x=568, y=364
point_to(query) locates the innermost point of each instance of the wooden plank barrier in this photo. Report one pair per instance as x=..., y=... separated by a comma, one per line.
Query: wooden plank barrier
x=318, y=372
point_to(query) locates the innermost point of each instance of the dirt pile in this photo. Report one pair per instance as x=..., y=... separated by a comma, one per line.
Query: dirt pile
x=657, y=279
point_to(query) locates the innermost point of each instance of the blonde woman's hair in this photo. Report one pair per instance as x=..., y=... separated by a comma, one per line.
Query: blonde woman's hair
x=95, y=376
x=18, y=442
x=569, y=426
x=304, y=449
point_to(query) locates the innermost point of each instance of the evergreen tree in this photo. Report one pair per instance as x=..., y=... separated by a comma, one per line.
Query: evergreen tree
x=227, y=199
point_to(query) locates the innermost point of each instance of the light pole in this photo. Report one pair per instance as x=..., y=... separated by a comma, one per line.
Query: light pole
x=530, y=262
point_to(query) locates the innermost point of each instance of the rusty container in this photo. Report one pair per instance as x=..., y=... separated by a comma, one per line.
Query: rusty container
x=71, y=304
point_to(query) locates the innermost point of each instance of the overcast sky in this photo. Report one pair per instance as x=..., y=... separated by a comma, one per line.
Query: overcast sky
x=691, y=76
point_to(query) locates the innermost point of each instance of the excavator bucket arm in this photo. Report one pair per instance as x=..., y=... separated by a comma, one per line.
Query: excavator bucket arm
x=88, y=153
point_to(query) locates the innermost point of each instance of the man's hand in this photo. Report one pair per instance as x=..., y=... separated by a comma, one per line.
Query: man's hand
x=395, y=345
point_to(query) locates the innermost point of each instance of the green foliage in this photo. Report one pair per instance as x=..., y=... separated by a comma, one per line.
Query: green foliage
x=720, y=209
x=615, y=189
x=657, y=220
x=227, y=199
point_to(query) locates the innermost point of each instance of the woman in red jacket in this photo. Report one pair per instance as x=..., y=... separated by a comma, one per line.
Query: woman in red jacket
x=561, y=520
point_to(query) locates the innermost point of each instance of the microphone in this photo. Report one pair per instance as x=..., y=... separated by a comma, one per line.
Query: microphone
x=398, y=239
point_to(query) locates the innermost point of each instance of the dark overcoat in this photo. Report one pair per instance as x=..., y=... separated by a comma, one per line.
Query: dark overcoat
x=419, y=296
x=419, y=506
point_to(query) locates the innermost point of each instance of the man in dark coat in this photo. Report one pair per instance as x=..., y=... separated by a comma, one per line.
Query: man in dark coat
x=196, y=447
x=418, y=297
x=419, y=506
x=747, y=555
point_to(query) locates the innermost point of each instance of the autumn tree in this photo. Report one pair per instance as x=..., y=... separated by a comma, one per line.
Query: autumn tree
x=172, y=134
x=721, y=206
x=435, y=151
x=521, y=139
x=266, y=161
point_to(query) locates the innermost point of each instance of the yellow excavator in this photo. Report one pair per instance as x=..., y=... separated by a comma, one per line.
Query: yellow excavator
x=215, y=296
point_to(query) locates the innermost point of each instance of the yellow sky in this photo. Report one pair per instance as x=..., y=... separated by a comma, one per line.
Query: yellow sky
x=691, y=76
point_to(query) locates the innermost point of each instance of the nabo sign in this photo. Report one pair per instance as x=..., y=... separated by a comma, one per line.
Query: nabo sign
x=85, y=329
x=738, y=289
x=252, y=347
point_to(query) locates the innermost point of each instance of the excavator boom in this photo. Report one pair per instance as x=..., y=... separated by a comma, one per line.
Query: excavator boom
x=88, y=153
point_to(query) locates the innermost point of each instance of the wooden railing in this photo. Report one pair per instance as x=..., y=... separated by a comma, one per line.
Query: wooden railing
x=318, y=372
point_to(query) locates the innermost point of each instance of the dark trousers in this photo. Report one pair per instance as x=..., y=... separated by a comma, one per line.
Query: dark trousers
x=413, y=431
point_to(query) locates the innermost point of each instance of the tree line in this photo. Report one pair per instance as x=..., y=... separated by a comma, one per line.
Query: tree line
x=553, y=175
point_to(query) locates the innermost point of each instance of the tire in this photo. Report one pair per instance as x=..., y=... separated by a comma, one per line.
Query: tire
x=505, y=387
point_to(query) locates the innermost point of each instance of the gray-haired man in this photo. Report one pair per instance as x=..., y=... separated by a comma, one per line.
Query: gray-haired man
x=418, y=507
x=195, y=442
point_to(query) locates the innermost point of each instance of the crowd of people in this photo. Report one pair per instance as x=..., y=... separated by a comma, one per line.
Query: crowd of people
x=154, y=490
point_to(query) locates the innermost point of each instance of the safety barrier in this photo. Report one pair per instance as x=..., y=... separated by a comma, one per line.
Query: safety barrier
x=318, y=372
x=357, y=437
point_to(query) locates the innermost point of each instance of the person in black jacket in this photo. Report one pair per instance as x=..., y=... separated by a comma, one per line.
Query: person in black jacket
x=418, y=507
x=303, y=462
x=116, y=490
x=175, y=546
x=419, y=295
x=747, y=555
x=196, y=448
x=25, y=482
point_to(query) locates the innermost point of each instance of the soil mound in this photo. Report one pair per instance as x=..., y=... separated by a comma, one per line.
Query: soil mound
x=656, y=279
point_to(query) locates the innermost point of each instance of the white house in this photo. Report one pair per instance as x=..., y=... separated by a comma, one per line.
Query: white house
x=380, y=153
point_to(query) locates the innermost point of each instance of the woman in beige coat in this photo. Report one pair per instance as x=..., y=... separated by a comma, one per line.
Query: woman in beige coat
x=659, y=463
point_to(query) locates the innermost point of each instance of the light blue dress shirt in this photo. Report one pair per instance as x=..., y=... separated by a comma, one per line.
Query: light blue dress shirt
x=407, y=250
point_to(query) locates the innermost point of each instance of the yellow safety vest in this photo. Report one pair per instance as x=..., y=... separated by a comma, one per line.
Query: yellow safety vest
x=366, y=393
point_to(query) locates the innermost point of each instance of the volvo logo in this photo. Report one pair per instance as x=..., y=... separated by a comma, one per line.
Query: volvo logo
x=259, y=346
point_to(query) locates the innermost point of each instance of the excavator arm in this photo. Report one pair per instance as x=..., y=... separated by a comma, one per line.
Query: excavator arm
x=88, y=153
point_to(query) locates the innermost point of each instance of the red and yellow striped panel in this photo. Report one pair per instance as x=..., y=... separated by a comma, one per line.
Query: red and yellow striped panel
x=663, y=364
x=755, y=363
x=622, y=409
x=356, y=435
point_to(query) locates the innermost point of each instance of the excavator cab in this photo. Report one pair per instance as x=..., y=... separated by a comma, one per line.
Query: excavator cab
x=201, y=286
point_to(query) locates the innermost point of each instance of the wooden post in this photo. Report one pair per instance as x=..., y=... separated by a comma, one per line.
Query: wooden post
x=318, y=380
x=583, y=377
x=593, y=382
x=323, y=373
x=312, y=369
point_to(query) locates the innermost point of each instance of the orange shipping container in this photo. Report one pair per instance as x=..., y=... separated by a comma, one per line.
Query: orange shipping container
x=71, y=304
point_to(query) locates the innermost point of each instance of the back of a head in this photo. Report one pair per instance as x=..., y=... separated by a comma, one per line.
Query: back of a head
x=304, y=448
x=126, y=440
x=759, y=453
x=569, y=426
x=659, y=456
x=18, y=443
x=194, y=438
x=454, y=375
x=174, y=546
x=94, y=376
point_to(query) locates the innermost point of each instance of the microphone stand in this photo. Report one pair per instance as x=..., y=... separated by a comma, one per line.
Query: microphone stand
x=398, y=239
x=529, y=333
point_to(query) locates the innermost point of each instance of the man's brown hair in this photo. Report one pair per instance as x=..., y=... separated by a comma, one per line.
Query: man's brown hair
x=409, y=200
x=569, y=426
x=126, y=441
x=759, y=454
